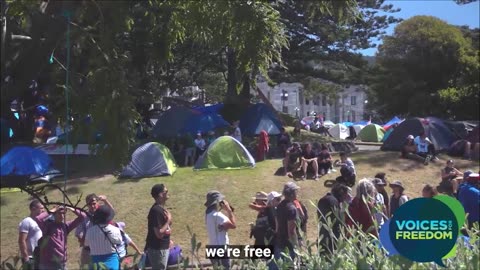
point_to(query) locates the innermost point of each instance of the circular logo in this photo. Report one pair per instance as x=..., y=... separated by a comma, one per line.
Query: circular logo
x=424, y=230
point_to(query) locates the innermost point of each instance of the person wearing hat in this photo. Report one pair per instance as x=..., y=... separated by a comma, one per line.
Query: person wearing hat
x=450, y=172
x=286, y=220
x=93, y=202
x=397, y=198
x=53, y=252
x=380, y=209
x=469, y=197
x=265, y=221
x=329, y=213
x=409, y=150
x=103, y=238
x=381, y=189
x=218, y=223
x=292, y=162
x=158, y=235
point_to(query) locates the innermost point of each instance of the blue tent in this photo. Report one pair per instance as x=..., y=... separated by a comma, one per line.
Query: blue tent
x=210, y=109
x=362, y=123
x=24, y=160
x=203, y=122
x=259, y=117
x=393, y=121
x=25, y=165
x=347, y=124
x=171, y=122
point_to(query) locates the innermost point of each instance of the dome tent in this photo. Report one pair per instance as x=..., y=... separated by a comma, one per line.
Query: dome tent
x=150, y=159
x=225, y=153
x=260, y=117
x=371, y=133
x=440, y=135
x=339, y=131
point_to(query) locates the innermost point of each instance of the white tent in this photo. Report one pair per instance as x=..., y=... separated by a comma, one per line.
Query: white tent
x=358, y=128
x=328, y=124
x=339, y=131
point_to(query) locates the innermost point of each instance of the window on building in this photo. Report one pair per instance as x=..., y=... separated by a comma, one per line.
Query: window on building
x=316, y=101
x=354, y=100
x=324, y=100
x=285, y=109
x=353, y=116
x=307, y=102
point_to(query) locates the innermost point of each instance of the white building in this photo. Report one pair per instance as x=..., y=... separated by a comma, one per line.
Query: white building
x=288, y=98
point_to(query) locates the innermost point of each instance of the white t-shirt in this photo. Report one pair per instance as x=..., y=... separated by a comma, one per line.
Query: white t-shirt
x=350, y=166
x=237, y=134
x=215, y=235
x=34, y=233
x=200, y=143
x=422, y=145
x=126, y=240
x=380, y=204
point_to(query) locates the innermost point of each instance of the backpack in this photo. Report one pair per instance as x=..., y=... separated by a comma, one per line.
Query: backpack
x=262, y=229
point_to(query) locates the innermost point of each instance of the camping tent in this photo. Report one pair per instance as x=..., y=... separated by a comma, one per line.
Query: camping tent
x=225, y=153
x=393, y=121
x=339, y=131
x=328, y=124
x=474, y=136
x=25, y=165
x=260, y=117
x=172, y=121
x=203, y=122
x=347, y=124
x=387, y=134
x=358, y=128
x=150, y=159
x=372, y=133
x=436, y=131
x=460, y=128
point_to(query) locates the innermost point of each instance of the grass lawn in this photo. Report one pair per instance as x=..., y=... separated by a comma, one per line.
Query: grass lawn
x=187, y=190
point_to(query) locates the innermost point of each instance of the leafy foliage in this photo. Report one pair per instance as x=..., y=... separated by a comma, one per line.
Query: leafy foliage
x=425, y=67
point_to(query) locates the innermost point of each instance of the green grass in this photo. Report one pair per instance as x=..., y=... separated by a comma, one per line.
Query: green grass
x=187, y=189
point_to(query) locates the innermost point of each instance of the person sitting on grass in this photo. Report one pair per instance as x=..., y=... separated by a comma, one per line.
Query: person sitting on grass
x=428, y=191
x=449, y=173
x=409, y=150
x=397, y=198
x=309, y=162
x=425, y=147
x=291, y=162
x=347, y=171
x=324, y=160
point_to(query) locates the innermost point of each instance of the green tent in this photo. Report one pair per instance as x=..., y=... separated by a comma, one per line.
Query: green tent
x=150, y=159
x=371, y=133
x=225, y=153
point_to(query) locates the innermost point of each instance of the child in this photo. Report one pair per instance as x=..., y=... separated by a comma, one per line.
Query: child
x=126, y=241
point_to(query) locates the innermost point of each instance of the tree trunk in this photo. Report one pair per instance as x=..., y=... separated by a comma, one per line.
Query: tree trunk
x=232, y=95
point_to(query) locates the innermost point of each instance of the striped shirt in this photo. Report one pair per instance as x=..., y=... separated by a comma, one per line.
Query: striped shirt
x=98, y=242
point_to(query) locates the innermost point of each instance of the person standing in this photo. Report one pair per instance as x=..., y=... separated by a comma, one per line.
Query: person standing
x=218, y=223
x=362, y=208
x=263, y=146
x=200, y=145
x=29, y=233
x=237, y=133
x=397, y=198
x=53, y=245
x=102, y=239
x=381, y=189
x=329, y=213
x=287, y=237
x=158, y=235
x=92, y=201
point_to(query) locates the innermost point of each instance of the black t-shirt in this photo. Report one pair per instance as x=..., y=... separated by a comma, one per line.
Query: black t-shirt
x=324, y=154
x=309, y=155
x=286, y=211
x=294, y=155
x=157, y=218
x=327, y=206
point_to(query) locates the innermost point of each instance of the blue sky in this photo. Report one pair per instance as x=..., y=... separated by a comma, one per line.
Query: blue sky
x=446, y=10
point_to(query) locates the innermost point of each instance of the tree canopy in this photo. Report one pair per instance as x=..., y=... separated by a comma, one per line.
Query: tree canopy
x=427, y=67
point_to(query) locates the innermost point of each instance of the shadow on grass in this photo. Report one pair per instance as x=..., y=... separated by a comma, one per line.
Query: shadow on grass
x=122, y=180
x=83, y=167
